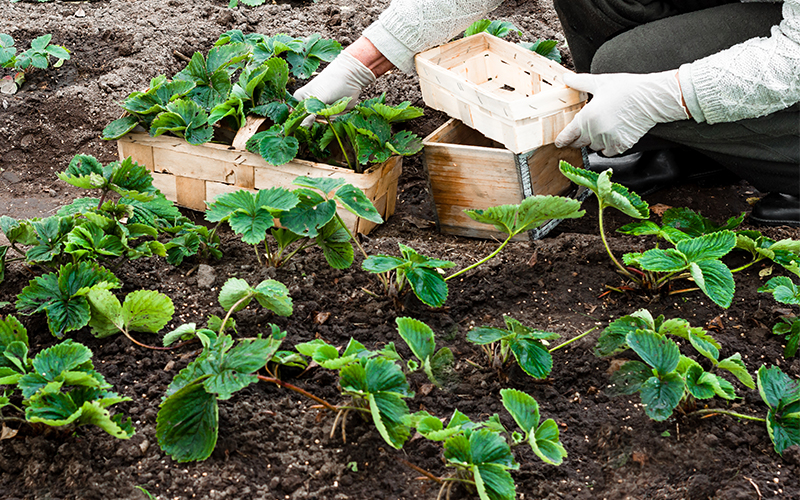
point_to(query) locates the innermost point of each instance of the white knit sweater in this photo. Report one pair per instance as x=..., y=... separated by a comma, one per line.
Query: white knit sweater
x=748, y=80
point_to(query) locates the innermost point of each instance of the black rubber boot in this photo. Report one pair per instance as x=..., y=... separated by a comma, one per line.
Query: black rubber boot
x=649, y=171
x=777, y=209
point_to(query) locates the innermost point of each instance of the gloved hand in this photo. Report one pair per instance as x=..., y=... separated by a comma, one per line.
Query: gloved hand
x=344, y=76
x=623, y=108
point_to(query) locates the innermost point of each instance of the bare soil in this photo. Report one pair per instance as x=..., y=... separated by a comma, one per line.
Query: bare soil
x=273, y=445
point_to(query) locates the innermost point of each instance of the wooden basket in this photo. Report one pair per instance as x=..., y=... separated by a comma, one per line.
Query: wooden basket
x=508, y=93
x=466, y=170
x=193, y=175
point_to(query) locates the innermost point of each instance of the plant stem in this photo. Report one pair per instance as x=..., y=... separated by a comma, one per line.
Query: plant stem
x=297, y=390
x=485, y=259
x=344, y=153
x=712, y=411
x=745, y=266
x=155, y=348
x=14, y=419
x=568, y=342
x=230, y=311
x=258, y=255
x=288, y=257
x=420, y=470
x=622, y=269
x=360, y=248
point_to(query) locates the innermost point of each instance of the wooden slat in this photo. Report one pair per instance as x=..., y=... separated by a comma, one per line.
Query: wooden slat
x=143, y=155
x=166, y=184
x=191, y=193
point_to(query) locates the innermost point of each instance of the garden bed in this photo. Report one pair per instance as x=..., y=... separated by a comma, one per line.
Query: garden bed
x=272, y=444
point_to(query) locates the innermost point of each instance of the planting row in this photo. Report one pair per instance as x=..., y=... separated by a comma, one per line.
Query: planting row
x=130, y=219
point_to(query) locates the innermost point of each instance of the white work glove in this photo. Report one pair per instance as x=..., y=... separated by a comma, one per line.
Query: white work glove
x=623, y=108
x=345, y=76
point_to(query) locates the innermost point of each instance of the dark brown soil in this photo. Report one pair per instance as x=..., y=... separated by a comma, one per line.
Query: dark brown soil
x=273, y=445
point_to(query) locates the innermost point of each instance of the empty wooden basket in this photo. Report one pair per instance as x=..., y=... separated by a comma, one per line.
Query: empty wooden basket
x=508, y=93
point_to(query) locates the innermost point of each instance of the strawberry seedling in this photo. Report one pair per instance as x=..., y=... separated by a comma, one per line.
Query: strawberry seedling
x=665, y=378
x=37, y=57
x=785, y=291
x=437, y=365
x=59, y=386
x=696, y=258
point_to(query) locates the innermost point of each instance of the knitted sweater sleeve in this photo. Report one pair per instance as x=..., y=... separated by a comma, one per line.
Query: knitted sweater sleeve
x=750, y=79
x=407, y=27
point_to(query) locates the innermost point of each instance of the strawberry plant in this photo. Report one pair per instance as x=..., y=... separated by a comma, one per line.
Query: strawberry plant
x=528, y=345
x=59, y=386
x=419, y=272
x=37, y=57
x=123, y=223
x=786, y=292
x=420, y=339
x=62, y=295
x=696, y=258
x=480, y=454
x=782, y=396
x=665, y=378
x=307, y=217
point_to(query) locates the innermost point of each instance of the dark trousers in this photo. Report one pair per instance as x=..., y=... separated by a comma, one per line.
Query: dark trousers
x=645, y=36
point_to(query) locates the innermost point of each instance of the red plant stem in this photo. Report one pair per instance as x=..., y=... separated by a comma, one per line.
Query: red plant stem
x=155, y=348
x=420, y=470
x=298, y=390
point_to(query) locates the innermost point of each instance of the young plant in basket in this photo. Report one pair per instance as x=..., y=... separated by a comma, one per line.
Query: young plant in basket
x=655, y=270
x=785, y=291
x=665, y=378
x=37, y=57
x=481, y=455
x=307, y=217
x=363, y=135
x=528, y=345
x=59, y=387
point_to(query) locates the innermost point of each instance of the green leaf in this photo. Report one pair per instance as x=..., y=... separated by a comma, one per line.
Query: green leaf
x=439, y=368
x=545, y=443
x=67, y=355
x=784, y=431
x=613, y=340
x=617, y=196
x=477, y=27
x=146, y=311
x=355, y=201
x=655, y=349
x=661, y=395
x=388, y=411
x=326, y=185
x=708, y=247
x=546, y=48
x=715, y=280
x=663, y=261
x=120, y=127
x=334, y=240
x=383, y=375
x=486, y=335
x=530, y=214
x=187, y=423
x=532, y=357
x=271, y=294
x=418, y=336
x=783, y=290
x=777, y=388
x=694, y=224
x=428, y=285
x=381, y=263
x=106, y=312
x=705, y=348
x=522, y=407
x=310, y=215
x=276, y=147
x=700, y=383
x=317, y=107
